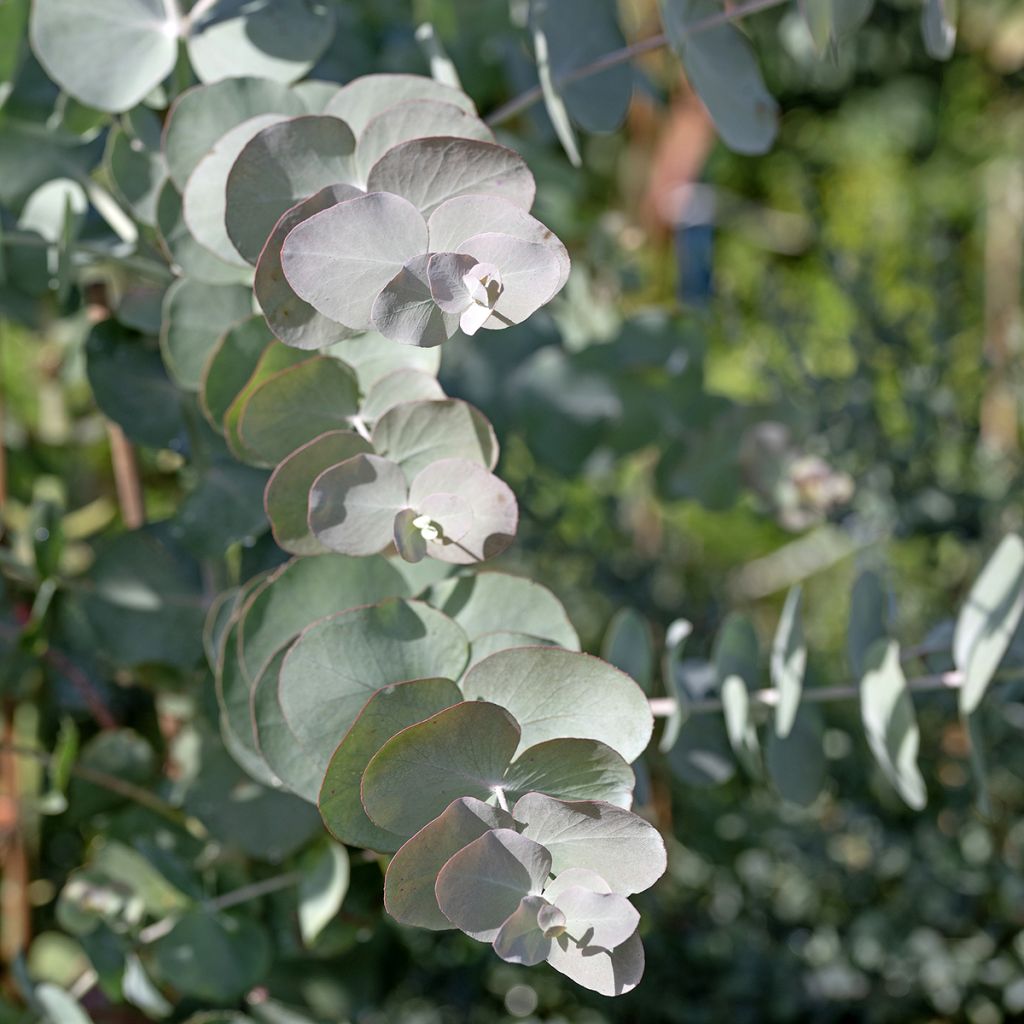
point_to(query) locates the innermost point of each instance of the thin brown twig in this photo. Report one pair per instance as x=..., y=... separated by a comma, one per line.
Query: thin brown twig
x=627, y=53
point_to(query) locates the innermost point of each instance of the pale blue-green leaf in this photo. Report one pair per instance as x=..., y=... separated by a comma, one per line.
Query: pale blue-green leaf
x=405, y=310
x=531, y=275
x=339, y=260
x=58, y=1006
x=608, y=974
x=373, y=358
x=628, y=645
x=417, y=434
x=604, y=920
x=675, y=640
x=45, y=209
x=292, y=320
x=479, y=889
x=938, y=27
x=136, y=173
x=428, y=172
x=477, y=512
x=398, y=388
x=204, y=201
x=820, y=17
x=409, y=883
x=868, y=615
x=386, y=713
x=108, y=53
x=626, y=851
x=578, y=33
x=295, y=405
x=889, y=722
x=338, y=663
x=446, y=275
x=203, y=114
x=276, y=39
x=415, y=119
x=495, y=602
x=284, y=165
x=578, y=877
x=325, y=875
x=230, y=366
x=520, y=940
x=571, y=769
x=789, y=662
x=721, y=66
x=363, y=99
x=740, y=726
x=138, y=990
x=849, y=15
x=490, y=643
x=286, y=498
x=979, y=769
x=553, y=102
x=464, y=750
x=988, y=620
x=796, y=762
x=554, y=694
x=464, y=217
x=352, y=506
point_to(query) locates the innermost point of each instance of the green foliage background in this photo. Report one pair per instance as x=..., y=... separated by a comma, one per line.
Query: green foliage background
x=850, y=269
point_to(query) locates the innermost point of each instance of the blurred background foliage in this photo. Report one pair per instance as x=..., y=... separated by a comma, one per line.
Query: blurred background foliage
x=763, y=371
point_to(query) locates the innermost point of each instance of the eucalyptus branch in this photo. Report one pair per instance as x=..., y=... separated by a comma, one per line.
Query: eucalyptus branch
x=663, y=707
x=627, y=53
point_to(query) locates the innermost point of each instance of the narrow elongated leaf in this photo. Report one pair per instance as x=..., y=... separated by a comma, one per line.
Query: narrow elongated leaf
x=287, y=495
x=555, y=694
x=788, y=663
x=428, y=172
x=109, y=53
x=553, y=102
x=626, y=851
x=867, y=619
x=283, y=165
x=481, y=887
x=988, y=620
x=938, y=28
x=322, y=889
x=723, y=70
x=409, y=895
x=352, y=506
x=385, y=714
x=740, y=726
x=889, y=721
x=340, y=260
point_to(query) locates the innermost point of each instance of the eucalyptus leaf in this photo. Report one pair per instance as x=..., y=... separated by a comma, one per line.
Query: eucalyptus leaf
x=363, y=99
x=296, y=405
x=721, y=66
x=205, y=113
x=229, y=367
x=109, y=53
x=405, y=310
x=352, y=505
x=867, y=625
x=596, y=919
x=386, y=713
x=938, y=27
x=480, y=888
x=322, y=889
x=428, y=172
x=398, y=388
x=629, y=646
x=796, y=762
x=284, y=164
x=196, y=314
x=374, y=357
x=988, y=620
x=339, y=260
x=58, y=1006
x=137, y=174
x=607, y=973
x=789, y=662
x=418, y=434
x=338, y=663
x=890, y=723
x=276, y=39
x=204, y=200
x=287, y=494
x=521, y=940
x=554, y=694
x=626, y=851
x=409, y=895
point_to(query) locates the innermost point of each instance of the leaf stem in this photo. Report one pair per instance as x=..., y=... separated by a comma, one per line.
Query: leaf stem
x=627, y=53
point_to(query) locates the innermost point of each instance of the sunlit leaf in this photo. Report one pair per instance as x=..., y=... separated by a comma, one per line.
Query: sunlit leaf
x=938, y=27
x=788, y=662
x=322, y=889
